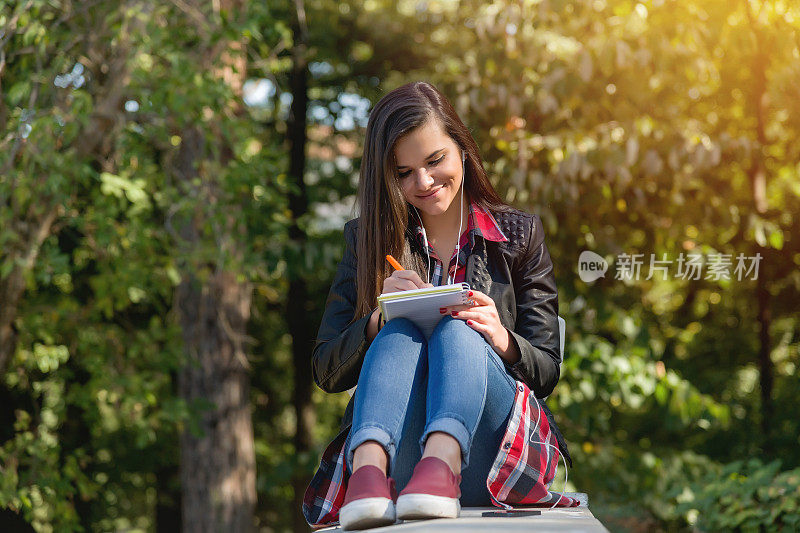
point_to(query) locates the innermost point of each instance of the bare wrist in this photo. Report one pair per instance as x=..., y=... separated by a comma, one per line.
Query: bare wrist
x=374, y=324
x=509, y=353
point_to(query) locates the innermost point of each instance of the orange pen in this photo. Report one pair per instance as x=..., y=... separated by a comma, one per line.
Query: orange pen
x=394, y=263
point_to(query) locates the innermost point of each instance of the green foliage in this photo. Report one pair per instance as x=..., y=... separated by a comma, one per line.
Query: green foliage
x=89, y=399
x=742, y=496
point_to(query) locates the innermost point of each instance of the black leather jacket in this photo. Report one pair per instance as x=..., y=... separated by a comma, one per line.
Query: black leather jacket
x=517, y=275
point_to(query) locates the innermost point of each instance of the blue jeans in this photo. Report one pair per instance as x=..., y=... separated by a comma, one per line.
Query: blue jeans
x=409, y=387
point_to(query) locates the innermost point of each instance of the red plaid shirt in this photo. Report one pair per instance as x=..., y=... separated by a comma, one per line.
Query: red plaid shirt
x=528, y=456
x=479, y=223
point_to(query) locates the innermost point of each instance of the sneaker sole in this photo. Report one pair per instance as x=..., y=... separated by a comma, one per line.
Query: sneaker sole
x=419, y=506
x=367, y=513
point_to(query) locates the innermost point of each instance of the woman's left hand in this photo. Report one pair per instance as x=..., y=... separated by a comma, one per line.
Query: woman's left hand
x=482, y=316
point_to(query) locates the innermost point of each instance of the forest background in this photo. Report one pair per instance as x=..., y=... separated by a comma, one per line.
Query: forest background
x=175, y=175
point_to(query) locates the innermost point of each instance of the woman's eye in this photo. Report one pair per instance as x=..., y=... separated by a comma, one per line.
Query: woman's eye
x=435, y=162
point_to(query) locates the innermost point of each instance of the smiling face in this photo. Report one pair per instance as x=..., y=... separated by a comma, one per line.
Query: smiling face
x=429, y=169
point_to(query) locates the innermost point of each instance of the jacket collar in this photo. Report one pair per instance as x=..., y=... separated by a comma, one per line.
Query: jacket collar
x=486, y=225
x=480, y=223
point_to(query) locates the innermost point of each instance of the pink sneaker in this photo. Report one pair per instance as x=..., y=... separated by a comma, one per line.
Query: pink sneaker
x=369, y=500
x=432, y=492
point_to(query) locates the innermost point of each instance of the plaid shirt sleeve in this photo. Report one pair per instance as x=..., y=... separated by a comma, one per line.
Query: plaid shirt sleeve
x=325, y=494
x=521, y=474
x=528, y=458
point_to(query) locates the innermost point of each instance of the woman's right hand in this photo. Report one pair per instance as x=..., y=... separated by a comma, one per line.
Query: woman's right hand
x=404, y=280
x=400, y=280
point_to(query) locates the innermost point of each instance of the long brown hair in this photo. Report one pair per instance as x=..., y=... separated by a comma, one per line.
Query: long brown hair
x=384, y=217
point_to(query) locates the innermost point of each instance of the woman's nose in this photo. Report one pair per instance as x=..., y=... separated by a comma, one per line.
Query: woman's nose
x=424, y=179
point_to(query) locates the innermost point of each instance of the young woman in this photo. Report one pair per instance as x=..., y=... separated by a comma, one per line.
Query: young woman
x=453, y=419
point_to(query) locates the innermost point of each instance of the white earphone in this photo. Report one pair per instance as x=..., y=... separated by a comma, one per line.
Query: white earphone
x=460, y=213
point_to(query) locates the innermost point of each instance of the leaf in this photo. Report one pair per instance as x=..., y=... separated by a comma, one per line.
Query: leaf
x=776, y=239
x=18, y=92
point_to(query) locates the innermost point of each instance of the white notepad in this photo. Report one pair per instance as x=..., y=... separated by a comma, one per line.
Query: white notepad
x=421, y=306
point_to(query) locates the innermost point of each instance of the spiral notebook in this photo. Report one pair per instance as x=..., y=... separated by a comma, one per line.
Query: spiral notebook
x=421, y=306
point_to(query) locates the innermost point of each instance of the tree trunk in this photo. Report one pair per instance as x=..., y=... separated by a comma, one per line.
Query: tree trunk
x=297, y=306
x=217, y=452
x=764, y=359
x=218, y=466
x=758, y=183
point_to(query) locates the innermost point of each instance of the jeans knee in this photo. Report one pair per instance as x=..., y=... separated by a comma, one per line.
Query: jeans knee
x=450, y=330
x=402, y=325
x=447, y=323
x=401, y=341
